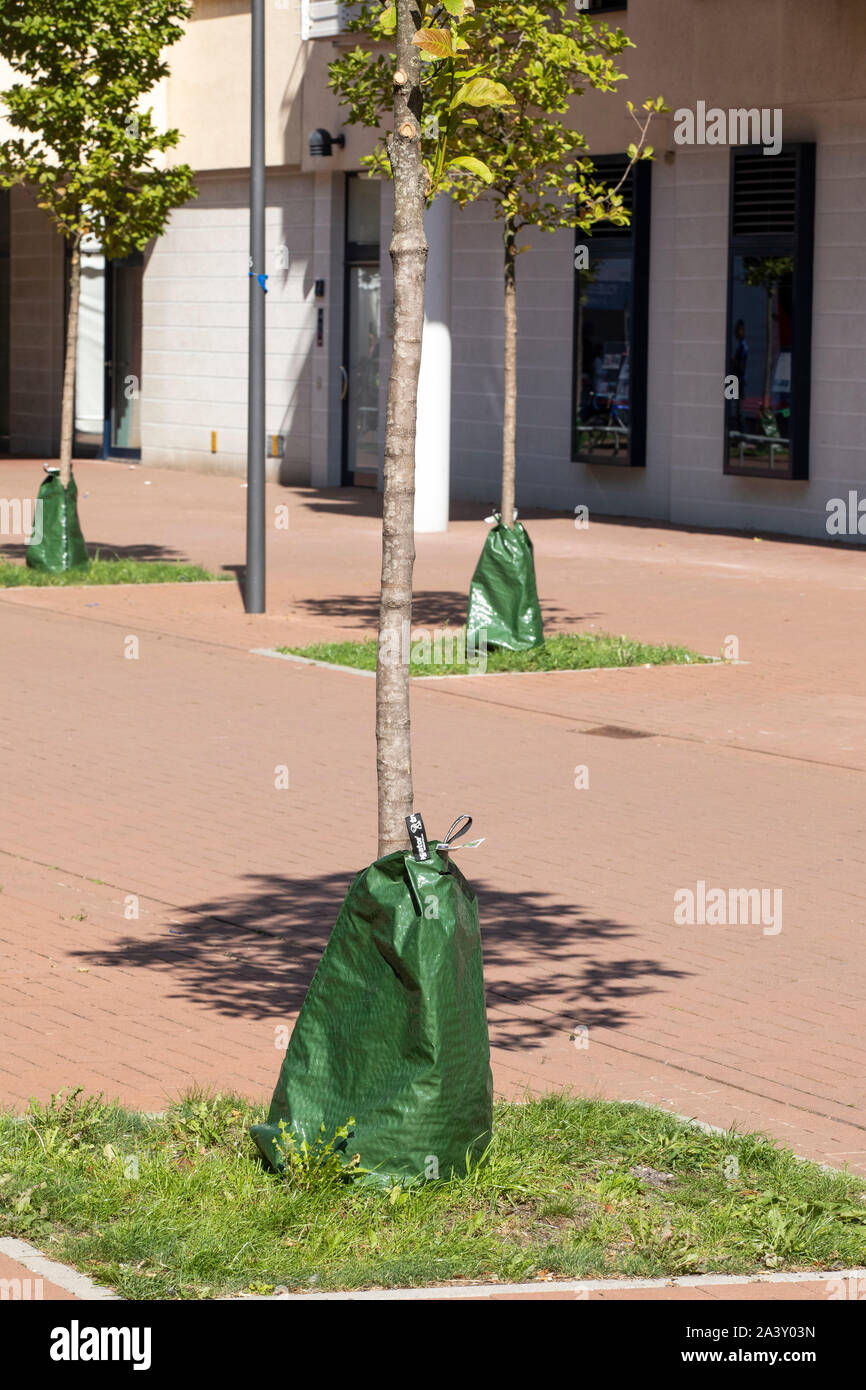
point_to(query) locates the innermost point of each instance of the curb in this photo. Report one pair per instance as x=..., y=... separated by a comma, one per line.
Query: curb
x=62, y=1275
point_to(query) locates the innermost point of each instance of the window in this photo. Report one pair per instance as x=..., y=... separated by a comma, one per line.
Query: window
x=769, y=313
x=323, y=19
x=611, y=299
x=4, y=320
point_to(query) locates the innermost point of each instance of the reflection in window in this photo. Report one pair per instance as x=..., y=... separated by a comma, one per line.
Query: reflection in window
x=759, y=418
x=363, y=396
x=604, y=350
x=770, y=274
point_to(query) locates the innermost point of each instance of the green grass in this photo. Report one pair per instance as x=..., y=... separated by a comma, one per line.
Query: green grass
x=101, y=571
x=567, y=651
x=180, y=1206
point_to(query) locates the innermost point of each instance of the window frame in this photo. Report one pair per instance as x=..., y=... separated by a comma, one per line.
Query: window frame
x=800, y=244
x=639, y=238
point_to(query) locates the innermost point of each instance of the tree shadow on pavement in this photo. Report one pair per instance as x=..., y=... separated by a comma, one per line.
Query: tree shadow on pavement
x=430, y=608
x=367, y=502
x=549, y=966
x=143, y=551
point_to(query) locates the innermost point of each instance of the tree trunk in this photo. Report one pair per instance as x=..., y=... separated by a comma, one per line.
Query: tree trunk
x=409, y=259
x=67, y=413
x=509, y=418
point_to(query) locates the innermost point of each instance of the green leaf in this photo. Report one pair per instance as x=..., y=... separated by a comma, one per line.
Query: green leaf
x=387, y=22
x=472, y=166
x=436, y=42
x=481, y=91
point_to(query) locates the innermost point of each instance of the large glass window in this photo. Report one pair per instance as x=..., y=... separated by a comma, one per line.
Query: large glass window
x=769, y=313
x=4, y=320
x=610, y=331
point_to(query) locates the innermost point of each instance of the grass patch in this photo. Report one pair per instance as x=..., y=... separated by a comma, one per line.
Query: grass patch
x=567, y=651
x=101, y=571
x=180, y=1206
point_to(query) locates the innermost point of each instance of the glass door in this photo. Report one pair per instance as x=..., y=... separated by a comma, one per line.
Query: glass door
x=362, y=371
x=362, y=317
x=123, y=357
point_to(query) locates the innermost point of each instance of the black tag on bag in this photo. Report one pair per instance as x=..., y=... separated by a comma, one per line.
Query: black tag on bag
x=418, y=837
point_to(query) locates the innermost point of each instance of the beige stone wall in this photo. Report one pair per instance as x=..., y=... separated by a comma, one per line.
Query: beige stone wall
x=208, y=91
x=794, y=54
x=194, y=365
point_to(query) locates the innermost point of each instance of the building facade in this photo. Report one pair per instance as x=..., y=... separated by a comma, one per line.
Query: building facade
x=706, y=367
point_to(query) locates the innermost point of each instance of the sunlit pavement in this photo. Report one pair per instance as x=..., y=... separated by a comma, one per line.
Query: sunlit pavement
x=164, y=904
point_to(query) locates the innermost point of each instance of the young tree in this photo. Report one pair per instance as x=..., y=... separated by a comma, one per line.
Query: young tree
x=415, y=179
x=409, y=259
x=87, y=154
x=518, y=149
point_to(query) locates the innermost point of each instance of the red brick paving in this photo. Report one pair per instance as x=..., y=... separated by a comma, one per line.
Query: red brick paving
x=19, y=1282
x=697, y=1293
x=156, y=777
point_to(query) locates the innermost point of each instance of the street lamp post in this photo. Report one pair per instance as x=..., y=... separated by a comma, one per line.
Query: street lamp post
x=254, y=593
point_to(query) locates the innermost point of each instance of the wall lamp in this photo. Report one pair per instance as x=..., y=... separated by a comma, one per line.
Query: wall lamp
x=322, y=143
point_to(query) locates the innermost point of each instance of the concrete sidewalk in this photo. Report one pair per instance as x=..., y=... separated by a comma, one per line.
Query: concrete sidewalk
x=147, y=786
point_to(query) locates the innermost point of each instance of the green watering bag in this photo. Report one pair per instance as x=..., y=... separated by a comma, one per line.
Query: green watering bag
x=56, y=543
x=503, y=601
x=393, y=1030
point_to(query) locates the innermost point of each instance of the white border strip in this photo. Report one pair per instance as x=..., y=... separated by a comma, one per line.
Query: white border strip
x=572, y=1286
x=61, y=1275
x=308, y=661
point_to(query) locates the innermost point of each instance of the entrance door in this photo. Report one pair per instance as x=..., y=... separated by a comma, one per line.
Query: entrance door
x=123, y=357
x=361, y=332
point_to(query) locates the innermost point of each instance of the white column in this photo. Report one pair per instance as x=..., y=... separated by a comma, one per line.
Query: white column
x=90, y=348
x=433, y=431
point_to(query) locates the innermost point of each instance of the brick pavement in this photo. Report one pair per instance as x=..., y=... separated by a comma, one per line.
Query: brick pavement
x=155, y=778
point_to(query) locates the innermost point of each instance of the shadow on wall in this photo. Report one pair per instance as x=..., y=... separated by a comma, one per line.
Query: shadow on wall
x=295, y=461
x=253, y=955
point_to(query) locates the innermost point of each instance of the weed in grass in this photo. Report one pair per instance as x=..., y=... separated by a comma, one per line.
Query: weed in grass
x=323, y=1163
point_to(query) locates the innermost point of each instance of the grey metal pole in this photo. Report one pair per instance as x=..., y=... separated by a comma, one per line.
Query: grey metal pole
x=254, y=595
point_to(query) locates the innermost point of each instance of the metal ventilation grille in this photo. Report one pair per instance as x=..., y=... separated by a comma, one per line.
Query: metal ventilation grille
x=610, y=171
x=765, y=194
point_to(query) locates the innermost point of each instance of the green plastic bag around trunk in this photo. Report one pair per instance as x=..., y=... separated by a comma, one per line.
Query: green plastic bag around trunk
x=57, y=543
x=393, y=1030
x=503, y=600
